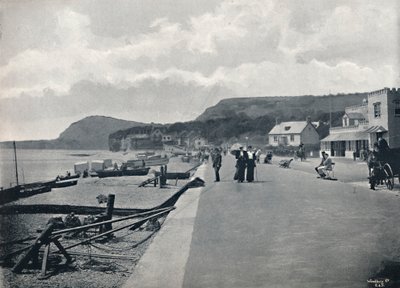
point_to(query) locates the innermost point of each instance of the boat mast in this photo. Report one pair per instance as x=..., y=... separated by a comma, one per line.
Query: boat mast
x=15, y=160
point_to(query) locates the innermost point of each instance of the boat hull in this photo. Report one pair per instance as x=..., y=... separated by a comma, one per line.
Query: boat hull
x=119, y=173
x=65, y=183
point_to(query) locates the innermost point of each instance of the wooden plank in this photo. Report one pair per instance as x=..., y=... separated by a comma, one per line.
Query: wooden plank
x=64, y=209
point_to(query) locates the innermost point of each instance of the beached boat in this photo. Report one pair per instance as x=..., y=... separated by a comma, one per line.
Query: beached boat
x=9, y=194
x=127, y=172
x=23, y=190
x=68, y=177
x=30, y=189
x=145, y=155
x=175, y=175
x=156, y=160
x=175, y=149
x=65, y=183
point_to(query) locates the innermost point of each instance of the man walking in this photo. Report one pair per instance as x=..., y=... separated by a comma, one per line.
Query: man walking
x=217, y=161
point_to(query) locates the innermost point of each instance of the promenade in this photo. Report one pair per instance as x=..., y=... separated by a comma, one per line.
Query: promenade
x=287, y=229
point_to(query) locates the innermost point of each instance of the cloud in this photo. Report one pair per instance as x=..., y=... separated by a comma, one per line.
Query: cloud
x=188, y=55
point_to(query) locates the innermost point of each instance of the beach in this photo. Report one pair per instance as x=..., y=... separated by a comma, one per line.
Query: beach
x=86, y=271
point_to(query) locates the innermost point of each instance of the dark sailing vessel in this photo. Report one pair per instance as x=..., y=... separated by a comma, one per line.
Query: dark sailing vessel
x=23, y=190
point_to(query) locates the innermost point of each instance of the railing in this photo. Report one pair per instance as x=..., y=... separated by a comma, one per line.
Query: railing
x=348, y=108
x=355, y=128
x=362, y=125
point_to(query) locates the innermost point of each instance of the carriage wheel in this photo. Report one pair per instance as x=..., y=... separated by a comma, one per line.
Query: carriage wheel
x=389, y=180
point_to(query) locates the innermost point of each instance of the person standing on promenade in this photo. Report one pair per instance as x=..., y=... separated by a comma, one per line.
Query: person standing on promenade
x=217, y=162
x=258, y=155
x=241, y=161
x=251, y=163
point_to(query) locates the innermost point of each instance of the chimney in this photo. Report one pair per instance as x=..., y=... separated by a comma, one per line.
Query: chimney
x=308, y=119
x=277, y=121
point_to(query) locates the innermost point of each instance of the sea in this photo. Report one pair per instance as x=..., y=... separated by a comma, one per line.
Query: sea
x=41, y=165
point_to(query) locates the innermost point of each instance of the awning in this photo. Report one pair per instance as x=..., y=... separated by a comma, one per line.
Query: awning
x=346, y=136
x=375, y=129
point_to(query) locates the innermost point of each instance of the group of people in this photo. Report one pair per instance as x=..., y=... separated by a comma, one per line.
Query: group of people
x=245, y=164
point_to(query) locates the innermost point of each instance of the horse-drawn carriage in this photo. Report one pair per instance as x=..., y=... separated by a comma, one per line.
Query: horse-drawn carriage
x=384, y=168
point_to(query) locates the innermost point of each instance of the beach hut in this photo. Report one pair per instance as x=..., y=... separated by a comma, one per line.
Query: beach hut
x=80, y=167
x=108, y=163
x=97, y=165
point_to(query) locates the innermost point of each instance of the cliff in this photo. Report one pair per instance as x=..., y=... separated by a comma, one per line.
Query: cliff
x=285, y=108
x=89, y=133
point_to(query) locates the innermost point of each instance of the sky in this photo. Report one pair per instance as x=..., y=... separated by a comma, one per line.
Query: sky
x=166, y=61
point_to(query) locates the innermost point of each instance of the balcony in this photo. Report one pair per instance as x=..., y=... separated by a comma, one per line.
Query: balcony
x=362, y=126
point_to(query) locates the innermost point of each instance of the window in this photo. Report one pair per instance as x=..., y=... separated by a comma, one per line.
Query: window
x=275, y=138
x=377, y=110
x=287, y=128
x=291, y=138
x=396, y=108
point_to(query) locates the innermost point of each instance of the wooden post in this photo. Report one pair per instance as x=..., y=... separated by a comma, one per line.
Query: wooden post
x=34, y=250
x=15, y=160
x=109, y=211
x=44, y=263
x=161, y=176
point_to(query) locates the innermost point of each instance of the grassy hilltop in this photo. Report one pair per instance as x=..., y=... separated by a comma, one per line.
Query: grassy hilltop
x=229, y=120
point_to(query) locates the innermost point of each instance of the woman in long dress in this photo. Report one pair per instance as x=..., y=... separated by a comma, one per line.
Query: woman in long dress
x=251, y=163
x=241, y=161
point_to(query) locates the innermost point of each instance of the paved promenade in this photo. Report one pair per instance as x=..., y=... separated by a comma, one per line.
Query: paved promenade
x=288, y=229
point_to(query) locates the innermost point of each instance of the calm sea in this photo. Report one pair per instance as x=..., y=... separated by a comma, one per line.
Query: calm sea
x=41, y=165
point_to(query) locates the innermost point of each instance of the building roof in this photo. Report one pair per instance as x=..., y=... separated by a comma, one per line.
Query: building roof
x=355, y=115
x=346, y=136
x=374, y=129
x=293, y=127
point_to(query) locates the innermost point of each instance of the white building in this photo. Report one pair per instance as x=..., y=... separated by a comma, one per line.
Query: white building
x=293, y=134
x=362, y=125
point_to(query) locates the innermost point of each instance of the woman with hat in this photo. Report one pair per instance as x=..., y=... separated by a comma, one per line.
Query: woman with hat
x=241, y=161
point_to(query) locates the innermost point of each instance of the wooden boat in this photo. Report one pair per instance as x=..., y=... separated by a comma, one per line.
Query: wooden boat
x=156, y=161
x=175, y=149
x=127, y=172
x=9, y=194
x=65, y=183
x=26, y=190
x=62, y=178
x=175, y=175
x=151, y=161
x=145, y=155
x=23, y=190
x=136, y=172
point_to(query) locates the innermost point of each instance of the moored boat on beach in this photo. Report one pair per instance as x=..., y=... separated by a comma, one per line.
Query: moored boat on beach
x=9, y=194
x=175, y=149
x=65, y=183
x=68, y=177
x=23, y=190
x=145, y=155
x=156, y=160
x=127, y=172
